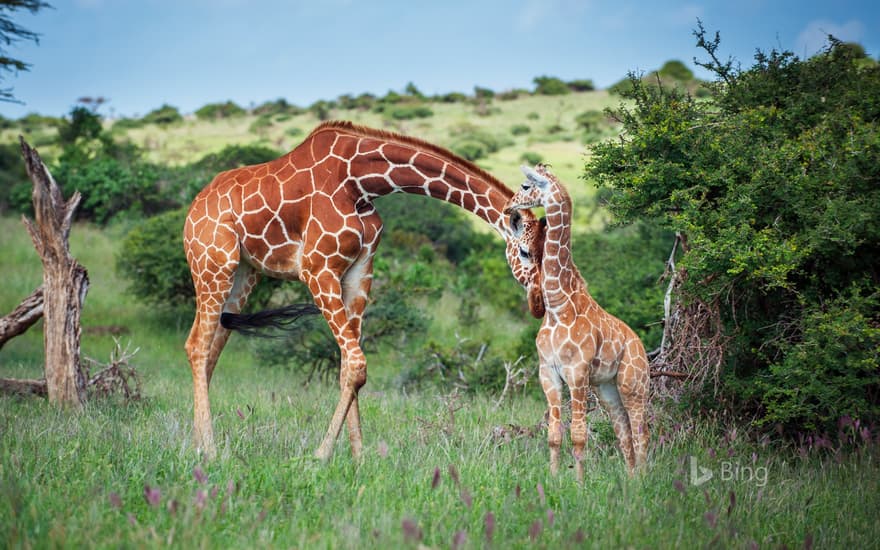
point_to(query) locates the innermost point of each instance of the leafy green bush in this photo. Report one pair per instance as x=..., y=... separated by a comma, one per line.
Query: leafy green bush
x=13, y=176
x=582, y=85
x=163, y=116
x=531, y=158
x=520, y=129
x=152, y=260
x=550, y=85
x=113, y=188
x=407, y=111
x=214, y=111
x=472, y=143
x=773, y=185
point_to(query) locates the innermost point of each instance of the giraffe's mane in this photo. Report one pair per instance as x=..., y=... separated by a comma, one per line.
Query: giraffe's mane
x=446, y=154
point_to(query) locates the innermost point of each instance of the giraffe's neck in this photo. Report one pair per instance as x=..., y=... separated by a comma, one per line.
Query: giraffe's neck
x=562, y=280
x=381, y=163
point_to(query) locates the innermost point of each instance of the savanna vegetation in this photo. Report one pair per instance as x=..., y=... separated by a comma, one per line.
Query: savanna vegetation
x=766, y=178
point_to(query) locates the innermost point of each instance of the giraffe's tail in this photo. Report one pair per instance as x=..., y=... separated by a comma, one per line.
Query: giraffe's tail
x=255, y=324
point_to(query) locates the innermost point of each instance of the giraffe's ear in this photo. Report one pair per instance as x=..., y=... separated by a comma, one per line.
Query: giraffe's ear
x=534, y=177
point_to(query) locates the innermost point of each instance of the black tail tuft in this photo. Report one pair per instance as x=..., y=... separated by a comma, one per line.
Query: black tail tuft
x=253, y=324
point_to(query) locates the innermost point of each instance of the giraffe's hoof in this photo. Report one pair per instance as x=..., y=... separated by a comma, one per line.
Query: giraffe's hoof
x=323, y=454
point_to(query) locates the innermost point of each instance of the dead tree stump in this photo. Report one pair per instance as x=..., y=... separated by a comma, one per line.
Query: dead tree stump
x=65, y=283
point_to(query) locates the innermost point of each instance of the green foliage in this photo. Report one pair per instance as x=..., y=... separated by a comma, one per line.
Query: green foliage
x=831, y=371
x=676, y=70
x=215, y=111
x=12, y=176
x=581, y=85
x=550, y=85
x=531, y=158
x=407, y=111
x=473, y=143
x=622, y=268
x=483, y=93
x=452, y=97
x=83, y=124
x=277, y=107
x=152, y=260
x=520, y=129
x=163, y=116
x=774, y=185
x=113, y=187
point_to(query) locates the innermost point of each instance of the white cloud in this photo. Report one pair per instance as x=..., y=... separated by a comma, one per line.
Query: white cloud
x=815, y=36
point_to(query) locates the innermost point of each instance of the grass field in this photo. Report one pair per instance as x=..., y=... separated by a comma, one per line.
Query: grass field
x=126, y=475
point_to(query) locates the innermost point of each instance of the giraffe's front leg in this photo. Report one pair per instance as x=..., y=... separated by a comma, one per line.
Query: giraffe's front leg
x=327, y=290
x=552, y=386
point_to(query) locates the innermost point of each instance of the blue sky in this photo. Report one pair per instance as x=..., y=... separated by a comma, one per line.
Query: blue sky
x=141, y=54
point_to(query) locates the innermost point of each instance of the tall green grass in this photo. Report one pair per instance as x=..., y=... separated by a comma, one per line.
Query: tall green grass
x=126, y=475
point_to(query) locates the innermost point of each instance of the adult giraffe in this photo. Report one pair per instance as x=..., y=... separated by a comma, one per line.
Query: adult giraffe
x=579, y=343
x=309, y=215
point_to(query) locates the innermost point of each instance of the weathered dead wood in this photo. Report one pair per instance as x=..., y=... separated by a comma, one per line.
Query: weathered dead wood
x=23, y=387
x=65, y=283
x=28, y=312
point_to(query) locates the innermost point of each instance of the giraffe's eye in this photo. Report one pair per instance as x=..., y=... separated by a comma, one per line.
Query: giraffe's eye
x=524, y=253
x=526, y=186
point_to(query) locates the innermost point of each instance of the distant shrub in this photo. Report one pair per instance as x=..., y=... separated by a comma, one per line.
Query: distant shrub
x=531, y=158
x=321, y=109
x=294, y=131
x=163, y=116
x=472, y=143
x=533, y=116
x=510, y=95
x=260, y=125
x=582, y=85
x=470, y=150
x=279, y=106
x=520, y=129
x=214, y=111
x=408, y=111
x=452, y=97
x=483, y=93
x=676, y=70
x=591, y=121
x=550, y=85
x=122, y=124
x=555, y=129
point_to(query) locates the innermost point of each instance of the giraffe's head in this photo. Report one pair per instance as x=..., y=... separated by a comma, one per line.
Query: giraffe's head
x=534, y=190
x=525, y=249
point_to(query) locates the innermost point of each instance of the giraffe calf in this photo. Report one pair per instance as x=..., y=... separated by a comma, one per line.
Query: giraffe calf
x=579, y=343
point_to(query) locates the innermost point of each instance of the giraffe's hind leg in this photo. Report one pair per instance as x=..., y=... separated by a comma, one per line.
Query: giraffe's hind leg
x=213, y=271
x=244, y=281
x=633, y=383
x=611, y=401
